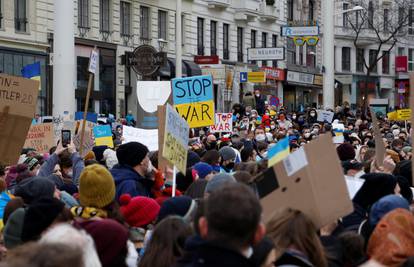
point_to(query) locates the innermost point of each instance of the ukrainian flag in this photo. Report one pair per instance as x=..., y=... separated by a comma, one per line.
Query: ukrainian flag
x=278, y=152
x=32, y=71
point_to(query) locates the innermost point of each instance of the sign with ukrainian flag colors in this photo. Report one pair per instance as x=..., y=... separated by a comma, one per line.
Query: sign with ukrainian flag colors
x=33, y=72
x=103, y=135
x=194, y=100
x=278, y=152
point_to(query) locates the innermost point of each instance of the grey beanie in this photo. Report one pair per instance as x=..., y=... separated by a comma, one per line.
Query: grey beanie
x=218, y=181
x=227, y=153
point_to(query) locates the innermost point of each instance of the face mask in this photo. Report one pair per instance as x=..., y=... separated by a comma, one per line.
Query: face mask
x=260, y=137
x=272, y=127
x=294, y=117
x=212, y=144
x=257, y=95
x=307, y=135
x=312, y=114
x=230, y=165
x=315, y=131
x=267, y=114
x=149, y=168
x=70, y=173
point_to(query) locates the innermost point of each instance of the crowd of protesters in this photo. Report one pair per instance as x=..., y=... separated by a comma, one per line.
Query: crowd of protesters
x=114, y=207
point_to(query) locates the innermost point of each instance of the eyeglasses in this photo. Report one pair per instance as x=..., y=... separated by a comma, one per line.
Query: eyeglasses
x=310, y=40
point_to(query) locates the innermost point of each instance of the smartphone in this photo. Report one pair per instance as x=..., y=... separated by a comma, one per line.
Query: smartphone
x=66, y=138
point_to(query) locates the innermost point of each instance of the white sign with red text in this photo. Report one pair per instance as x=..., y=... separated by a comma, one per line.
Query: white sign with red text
x=223, y=123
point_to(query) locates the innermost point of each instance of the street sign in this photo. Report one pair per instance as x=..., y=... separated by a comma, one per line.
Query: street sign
x=271, y=53
x=274, y=101
x=243, y=77
x=256, y=77
x=93, y=61
x=291, y=31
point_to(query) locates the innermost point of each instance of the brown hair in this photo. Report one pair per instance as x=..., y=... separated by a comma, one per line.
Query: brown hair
x=292, y=228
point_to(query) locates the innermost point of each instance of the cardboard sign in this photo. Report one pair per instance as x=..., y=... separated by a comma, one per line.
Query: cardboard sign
x=93, y=61
x=379, y=144
x=40, y=137
x=143, y=136
x=412, y=117
x=392, y=116
x=325, y=116
x=404, y=114
x=88, y=140
x=307, y=181
x=103, y=136
x=223, y=123
x=175, y=139
x=256, y=77
x=194, y=101
x=18, y=100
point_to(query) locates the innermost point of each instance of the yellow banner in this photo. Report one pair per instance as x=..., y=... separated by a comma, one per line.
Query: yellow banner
x=104, y=141
x=392, y=116
x=198, y=114
x=256, y=77
x=404, y=114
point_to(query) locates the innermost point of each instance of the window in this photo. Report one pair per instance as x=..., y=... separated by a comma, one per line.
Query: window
x=410, y=59
x=20, y=17
x=226, y=53
x=311, y=10
x=346, y=58
x=253, y=39
x=213, y=37
x=162, y=25
x=240, y=44
x=200, y=36
x=274, y=44
x=125, y=14
x=291, y=51
x=264, y=44
x=360, y=59
x=373, y=60
x=290, y=10
x=310, y=56
x=83, y=13
x=401, y=51
x=386, y=62
x=300, y=55
x=145, y=23
x=371, y=15
x=357, y=15
x=386, y=19
x=345, y=22
x=401, y=17
x=411, y=22
x=104, y=14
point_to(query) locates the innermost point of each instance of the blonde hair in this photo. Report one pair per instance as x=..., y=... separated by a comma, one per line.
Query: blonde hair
x=293, y=229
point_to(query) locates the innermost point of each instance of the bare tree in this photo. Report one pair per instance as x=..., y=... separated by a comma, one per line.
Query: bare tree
x=382, y=24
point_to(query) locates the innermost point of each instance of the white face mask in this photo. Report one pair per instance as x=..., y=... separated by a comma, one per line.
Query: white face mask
x=272, y=127
x=294, y=117
x=307, y=135
x=257, y=95
x=260, y=137
x=150, y=167
x=312, y=114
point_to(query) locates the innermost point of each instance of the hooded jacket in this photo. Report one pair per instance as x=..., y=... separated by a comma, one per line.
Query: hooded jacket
x=128, y=181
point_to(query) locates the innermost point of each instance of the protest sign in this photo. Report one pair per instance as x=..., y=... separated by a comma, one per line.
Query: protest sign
x=194, y=101
x=223, y=123
x=403, y=114
x=175, y=144
x=307, y=180
x=325, y=116
x=88, y=142
x=379, y=143
x=103, y=135
x=92, y=117
x=143, y=136
x=150, y=94
x=392, y=116
x=18, y=100
x=338, y=129
x=40, y=137
x=412, y=118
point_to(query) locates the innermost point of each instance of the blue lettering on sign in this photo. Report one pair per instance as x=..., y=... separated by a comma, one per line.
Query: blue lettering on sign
x=243, y=77
x=192, y=89
x=102, y=131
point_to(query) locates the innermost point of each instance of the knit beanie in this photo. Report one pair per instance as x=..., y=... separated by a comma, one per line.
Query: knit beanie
x=39, y=216
x=131, y=154
x=227, y=153
x=384, y=206
x=98, y=151
x=110, y=158
x=89, y=155
x=34, y=188
x=218, y=181
x=182, y=206
x=110, y=239
x=203, y=169
x=12, y=233
x=138, y=211
x=345, y=152
x=192, y=159
x=96, y=187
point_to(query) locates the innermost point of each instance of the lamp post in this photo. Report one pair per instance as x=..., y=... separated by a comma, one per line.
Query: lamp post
x=329, y=50
x=178, y=43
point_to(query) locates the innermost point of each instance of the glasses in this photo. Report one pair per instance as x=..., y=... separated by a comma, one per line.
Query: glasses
x=310, y=40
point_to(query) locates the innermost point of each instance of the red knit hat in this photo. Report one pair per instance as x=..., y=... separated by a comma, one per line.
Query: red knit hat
x=138, y=211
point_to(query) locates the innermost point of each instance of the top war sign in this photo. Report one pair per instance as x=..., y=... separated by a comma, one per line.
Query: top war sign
x=194, y=100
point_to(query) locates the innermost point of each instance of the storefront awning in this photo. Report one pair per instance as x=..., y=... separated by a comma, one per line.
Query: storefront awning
x=310, y=86
x=188, y=69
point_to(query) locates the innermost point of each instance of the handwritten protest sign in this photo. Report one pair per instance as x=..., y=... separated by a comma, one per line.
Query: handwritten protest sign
x=403, y=114
x=103, y=135
x=88, y=142
x=223, y=123
x=338, y=129
x=40, y=137
x=18, y=100
x=325, y=116
x=146, y=137
x=194, y=101
x=175, y=139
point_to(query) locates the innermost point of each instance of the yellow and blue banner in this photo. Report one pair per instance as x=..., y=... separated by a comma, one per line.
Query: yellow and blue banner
x=278, y=152
x=33, y=72
x=103, y=135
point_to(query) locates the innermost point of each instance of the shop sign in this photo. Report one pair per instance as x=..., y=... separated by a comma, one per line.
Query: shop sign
x=206, y=59
x=318, y=80
x=256, y=77
x=344, y=79
x=387, y=83
x=291, y=31
x=274, y=73
x=401, y=63
x=402, y=86
x=266, y=89
x=144, y=60
x=271, y=53
x=217, y=72
x=299, y=77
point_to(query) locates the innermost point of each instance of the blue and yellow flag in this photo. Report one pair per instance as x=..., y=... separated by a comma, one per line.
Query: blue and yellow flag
x=32, y=71
x=278, y=152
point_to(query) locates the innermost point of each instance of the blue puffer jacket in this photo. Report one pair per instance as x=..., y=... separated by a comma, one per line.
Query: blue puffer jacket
x=128, y=181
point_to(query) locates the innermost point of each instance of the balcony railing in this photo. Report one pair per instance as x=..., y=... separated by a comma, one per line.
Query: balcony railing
x=218, y=3
x=247, y=10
